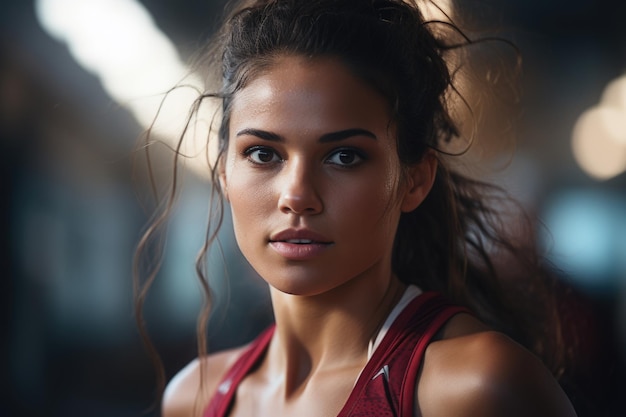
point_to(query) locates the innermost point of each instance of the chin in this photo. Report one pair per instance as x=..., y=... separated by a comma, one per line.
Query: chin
x=304, y=285
x=301, y=289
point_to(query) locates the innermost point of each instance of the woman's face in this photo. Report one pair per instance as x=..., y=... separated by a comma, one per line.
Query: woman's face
x=313, y=176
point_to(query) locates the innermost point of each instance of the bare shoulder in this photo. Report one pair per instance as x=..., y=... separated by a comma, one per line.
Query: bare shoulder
x=485, y=373
x=190, y=389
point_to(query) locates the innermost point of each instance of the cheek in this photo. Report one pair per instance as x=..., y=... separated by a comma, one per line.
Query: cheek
x=249, y=199
x=246, y=198
x=387, y=186
x=369, y=203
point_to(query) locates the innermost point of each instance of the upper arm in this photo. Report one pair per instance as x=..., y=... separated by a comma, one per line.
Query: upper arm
x=189, y=391
x=487, y=374
x=183, y=396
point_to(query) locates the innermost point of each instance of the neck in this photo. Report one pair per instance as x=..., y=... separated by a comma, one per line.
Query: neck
x=329, y=331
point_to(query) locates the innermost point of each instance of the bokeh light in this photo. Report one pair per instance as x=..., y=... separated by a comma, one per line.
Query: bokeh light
x=599, y=136
x=119, y=42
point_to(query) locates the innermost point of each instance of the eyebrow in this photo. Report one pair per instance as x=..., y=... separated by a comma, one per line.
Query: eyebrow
x=325, y=138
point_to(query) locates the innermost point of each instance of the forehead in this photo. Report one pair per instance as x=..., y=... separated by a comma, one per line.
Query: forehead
x=309, y=92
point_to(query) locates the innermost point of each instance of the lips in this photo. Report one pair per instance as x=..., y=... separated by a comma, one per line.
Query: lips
x=299, y=244
x=300, y=237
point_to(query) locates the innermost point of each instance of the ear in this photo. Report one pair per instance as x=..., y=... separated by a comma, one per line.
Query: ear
x=419, y=180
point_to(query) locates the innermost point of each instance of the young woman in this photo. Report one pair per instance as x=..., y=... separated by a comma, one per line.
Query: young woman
x=381, y=260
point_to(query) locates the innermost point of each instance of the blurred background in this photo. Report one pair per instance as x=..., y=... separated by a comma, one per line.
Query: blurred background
x=77, y=85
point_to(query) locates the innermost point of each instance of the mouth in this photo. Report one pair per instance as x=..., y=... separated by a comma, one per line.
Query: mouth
x=299, y=241
x=299, y=245
x=300, y=237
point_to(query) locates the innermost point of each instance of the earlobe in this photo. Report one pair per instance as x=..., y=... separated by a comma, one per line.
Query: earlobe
x=420, y=179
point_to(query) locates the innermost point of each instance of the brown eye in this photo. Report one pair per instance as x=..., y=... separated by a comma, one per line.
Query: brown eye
x=345, y=157
x=262, y=155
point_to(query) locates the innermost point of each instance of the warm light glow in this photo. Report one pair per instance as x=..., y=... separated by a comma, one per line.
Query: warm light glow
x=118, y=41
x=594, y=142
x=599, y=137
x=615, y=95
x=436, y=9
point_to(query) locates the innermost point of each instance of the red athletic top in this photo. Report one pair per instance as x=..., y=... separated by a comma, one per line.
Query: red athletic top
x=386, y=386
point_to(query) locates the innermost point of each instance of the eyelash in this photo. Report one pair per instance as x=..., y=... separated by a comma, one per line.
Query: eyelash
x=359, y=155
x=249, y=151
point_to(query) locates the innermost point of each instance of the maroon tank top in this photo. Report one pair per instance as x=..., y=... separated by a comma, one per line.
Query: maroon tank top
x=386, y=386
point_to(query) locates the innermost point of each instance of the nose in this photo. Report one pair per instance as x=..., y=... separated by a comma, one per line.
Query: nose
x=299, y=190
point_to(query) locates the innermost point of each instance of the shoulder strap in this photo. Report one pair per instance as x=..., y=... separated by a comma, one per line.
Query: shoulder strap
x=387, y=384
x=222, y=399
x=441, y=311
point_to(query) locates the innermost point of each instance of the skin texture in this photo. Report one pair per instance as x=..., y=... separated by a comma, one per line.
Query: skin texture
x=291, y=116
x=288, y=169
